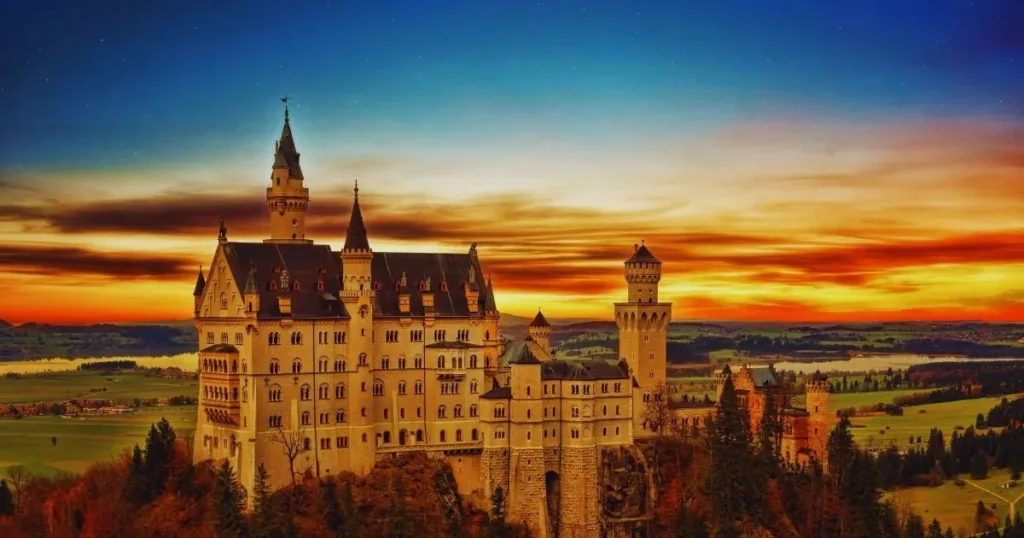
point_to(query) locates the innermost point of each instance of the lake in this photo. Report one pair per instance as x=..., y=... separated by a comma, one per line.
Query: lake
x=185, y=361
x=189, y=361
x=874, y=362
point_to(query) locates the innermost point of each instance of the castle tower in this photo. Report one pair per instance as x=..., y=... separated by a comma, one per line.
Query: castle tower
x=251, y=295
x=822, y=420
x=643, y=328
x=287, y=199
x=197, y=293
x=540, y=332
x=526, y=496
x=357, y=296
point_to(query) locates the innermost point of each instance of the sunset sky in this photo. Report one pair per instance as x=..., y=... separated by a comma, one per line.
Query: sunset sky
x=787, y=160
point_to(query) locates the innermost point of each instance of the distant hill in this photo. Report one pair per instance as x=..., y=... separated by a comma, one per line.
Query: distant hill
x=4, y=324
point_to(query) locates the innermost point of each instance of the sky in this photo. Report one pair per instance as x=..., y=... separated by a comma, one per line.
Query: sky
x=786, y=160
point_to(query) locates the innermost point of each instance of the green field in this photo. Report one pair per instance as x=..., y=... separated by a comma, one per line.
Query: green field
x=918, y=421
x=81, y=384
x=82, y=441
x=955, y=507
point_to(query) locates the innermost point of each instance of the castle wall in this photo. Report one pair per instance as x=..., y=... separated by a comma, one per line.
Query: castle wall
x=579, y=515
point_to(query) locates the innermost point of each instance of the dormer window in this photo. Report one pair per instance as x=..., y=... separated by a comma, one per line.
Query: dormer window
x=295, y=285
x=398, y=285
x=444, y=285
x=277, y=269
x=423, y=285
x=320, y=286
x=273, y=285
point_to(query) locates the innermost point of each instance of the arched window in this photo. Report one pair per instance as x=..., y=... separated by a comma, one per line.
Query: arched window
x=324, y=391
x=385, y=363
x=401, y=363
x=440, y=361
x=274, y=393
x=378, y=387
x=474, y=410
x=419, y=436
x=339, y=417
x=362, y=359
x=418, y=362
x=387, y=437
x=304, y=392
x=472, y=387
x=223, y=301
x=444, y=285
x=339, y=365
x=296, y=366
x=472, y=361
x=443, y=437
x=441, y=411
x=458, y=436
x=339, y=391
x=474, y=435
x=295, y=283
x=275, y=367
x=418, y=387
x=401, y=387
x=457, y=411
x=306, y=419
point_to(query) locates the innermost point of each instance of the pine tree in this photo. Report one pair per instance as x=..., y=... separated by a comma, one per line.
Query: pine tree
x=914, y=527
x=979, y=465
x=730, y=479
x=159, y=453
x=934, y=529
x=330, y=506
x=840, y=450
x=769, y=436
x=6, y=499
x=136, y=489
x=400, y=522
x=349, y=514
x=262, y=517
x=496, y=526
x=229, y=503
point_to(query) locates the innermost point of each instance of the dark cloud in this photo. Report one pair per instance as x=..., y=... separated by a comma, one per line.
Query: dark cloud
x=60, y=261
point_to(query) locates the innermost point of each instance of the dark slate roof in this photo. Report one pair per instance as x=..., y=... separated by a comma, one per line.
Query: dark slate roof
x=250, y=282
x=355, y=236
x=287, y=156
x=306, y=264
x=525, y=356
x=200, y=284
x=452, y=345
x=539, y=321
x=487, y=303
x=584, y=370
x=497, y=393
x=642, y=254
x=451, y=269
x=763, y=377
x=220, y=348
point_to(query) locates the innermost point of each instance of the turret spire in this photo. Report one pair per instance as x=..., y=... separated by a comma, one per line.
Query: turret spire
x=286, y=155
x=200, y=283
x=355, y=237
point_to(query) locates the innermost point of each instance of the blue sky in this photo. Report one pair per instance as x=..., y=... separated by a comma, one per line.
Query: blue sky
x=115, y=84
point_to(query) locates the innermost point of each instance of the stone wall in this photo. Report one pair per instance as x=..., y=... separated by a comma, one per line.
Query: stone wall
x=579, y=516
x=528, y=497
x=494, y=471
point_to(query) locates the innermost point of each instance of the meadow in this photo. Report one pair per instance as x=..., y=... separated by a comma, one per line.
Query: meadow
x=119, y=387
x=82, y=441
x=918, y=421
x=955, y=506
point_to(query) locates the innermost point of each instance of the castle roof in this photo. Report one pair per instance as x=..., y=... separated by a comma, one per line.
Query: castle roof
x=539, y=321
x=355, y=236
x=287, y=156
x=523, y=350
x=497, y=393
x=200, y=284
x=763, y=376
x=590, y=369
x=219, y=348
x=309, y=264
x=642, y=254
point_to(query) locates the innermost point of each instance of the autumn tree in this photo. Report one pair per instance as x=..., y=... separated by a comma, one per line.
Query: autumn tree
x=656, y=413
x=18, y=476
x=400, y=521
x=293, y=443
x=228, y=503
x=769, y=436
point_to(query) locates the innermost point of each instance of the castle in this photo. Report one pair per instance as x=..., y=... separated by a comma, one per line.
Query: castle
x=317, y=361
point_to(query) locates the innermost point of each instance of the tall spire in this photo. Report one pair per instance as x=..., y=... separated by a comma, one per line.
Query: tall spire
x=200, y=284
x=355, y=237
x=286, y=155
x=250, y=283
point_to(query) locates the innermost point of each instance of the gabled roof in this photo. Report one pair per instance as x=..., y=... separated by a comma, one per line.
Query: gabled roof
x=539, y=321
x=763, y=376
x=590, y=369
x=523, y=350
x=642, y=254
x=453, y=269
x=497, y=393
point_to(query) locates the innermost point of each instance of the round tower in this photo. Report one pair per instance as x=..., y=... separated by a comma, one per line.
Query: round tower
x=822, y=419
x=643, y=273
x=540, y=332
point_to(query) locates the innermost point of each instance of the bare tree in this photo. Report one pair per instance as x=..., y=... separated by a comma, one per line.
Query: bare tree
x=656, y=413
x=293, y=443
x=18, y=475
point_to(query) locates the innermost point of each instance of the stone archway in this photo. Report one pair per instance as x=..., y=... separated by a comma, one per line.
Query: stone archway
x=553, y=487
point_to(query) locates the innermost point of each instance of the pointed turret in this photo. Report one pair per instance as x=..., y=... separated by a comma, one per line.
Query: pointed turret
x=251, y=294
x=489, y=304
x=540, y=332
x=287, y=198
x=200, y=283
x=355, y=236
x=539, y=320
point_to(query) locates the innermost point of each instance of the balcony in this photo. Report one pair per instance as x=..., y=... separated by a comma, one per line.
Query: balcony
x=455, y=374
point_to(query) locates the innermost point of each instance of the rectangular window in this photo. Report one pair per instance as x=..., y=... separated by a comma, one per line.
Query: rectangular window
x=342, y=442
x=209, y=338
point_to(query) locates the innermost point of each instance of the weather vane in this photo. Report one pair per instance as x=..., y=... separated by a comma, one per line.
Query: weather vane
x=285, y=100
